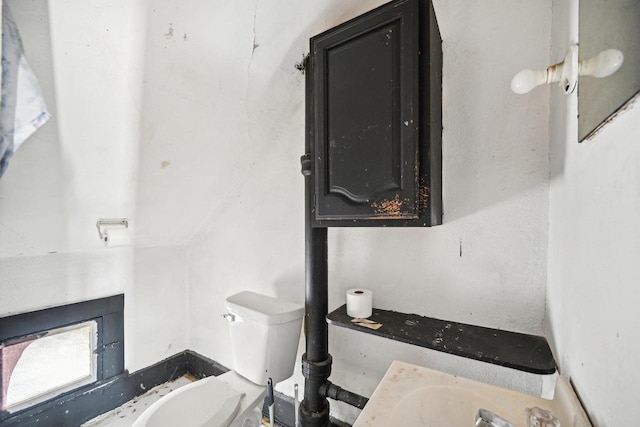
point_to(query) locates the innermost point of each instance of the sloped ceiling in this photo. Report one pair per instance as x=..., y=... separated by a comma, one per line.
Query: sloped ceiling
x=160, y=113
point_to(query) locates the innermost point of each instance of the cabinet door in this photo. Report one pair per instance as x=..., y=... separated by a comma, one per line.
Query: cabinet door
x=366, y=117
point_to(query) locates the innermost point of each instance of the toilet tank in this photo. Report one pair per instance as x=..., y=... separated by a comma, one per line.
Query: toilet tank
x=264, y=336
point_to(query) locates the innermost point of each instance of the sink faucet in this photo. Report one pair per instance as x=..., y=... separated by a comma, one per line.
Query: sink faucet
x=489, y=419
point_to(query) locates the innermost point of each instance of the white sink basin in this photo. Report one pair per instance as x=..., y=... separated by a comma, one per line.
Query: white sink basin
x=411, y=395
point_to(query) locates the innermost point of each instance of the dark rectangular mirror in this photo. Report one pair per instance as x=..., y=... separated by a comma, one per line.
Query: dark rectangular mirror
x=606, y=24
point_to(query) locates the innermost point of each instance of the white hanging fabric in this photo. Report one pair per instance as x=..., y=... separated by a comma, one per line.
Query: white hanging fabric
x=22, y=107
x=0, y=42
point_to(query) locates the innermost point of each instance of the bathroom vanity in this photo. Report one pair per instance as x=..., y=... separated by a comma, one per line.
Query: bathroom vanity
x=412, y=395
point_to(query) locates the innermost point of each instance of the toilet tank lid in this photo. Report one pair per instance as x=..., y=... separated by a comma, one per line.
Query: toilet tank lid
x=264, y=309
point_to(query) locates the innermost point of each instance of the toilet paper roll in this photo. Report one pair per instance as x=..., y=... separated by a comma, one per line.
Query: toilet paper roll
x=359, y=303
x=116, y=237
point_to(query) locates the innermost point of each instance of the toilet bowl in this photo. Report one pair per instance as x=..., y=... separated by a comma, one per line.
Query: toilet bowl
x=224, y=401
x=264, y=339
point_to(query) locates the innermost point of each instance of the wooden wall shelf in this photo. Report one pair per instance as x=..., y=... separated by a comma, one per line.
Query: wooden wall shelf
x=528, y=353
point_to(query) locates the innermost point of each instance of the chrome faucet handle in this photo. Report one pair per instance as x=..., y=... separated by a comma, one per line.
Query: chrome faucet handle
x=539, y=417
x=489, y=419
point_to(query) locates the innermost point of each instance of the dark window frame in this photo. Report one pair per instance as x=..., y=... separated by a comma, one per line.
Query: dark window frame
x=108, y=313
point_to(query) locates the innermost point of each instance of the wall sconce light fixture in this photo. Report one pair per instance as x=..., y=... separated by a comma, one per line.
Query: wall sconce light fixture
x=566, y=72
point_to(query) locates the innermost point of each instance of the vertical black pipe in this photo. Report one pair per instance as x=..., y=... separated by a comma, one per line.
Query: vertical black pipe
x=316, y=308
x=316, y=362
x=316, y=298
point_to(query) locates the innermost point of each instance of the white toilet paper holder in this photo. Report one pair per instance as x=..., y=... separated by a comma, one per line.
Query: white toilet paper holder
x=103, y=223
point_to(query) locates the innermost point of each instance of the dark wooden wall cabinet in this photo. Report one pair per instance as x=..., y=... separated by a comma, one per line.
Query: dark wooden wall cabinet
x=375, y=119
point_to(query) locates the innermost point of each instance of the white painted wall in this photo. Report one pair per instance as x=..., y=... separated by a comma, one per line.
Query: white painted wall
x=199, y=105
x=594, y=248
x=495, y=202
x=495, y=185
x=81, y=166
x=168, y=114
x=154, y=306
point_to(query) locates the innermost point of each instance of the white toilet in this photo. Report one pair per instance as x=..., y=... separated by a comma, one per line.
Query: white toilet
x=264, y=339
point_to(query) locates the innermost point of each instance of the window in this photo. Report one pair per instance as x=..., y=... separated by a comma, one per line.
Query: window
x=47, y=353
x=48, y=364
